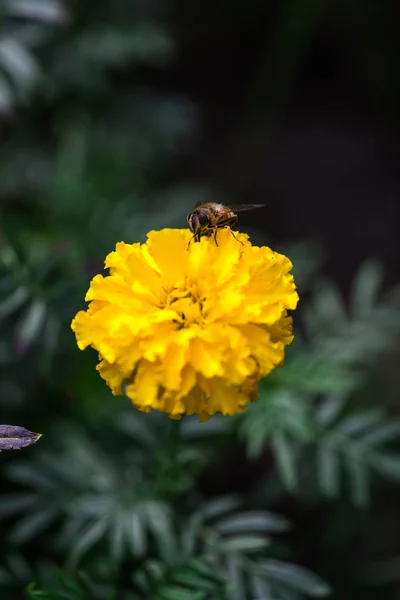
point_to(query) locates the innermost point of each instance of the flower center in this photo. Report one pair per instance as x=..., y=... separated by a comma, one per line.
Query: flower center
x=184, y=300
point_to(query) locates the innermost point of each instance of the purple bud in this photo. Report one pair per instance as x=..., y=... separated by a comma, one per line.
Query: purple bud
x=13, y=437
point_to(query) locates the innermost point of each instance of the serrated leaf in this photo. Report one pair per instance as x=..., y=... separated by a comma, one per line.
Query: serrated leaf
x=382, y=434
x=278, y=410
x=6, y=97
x=328, y=471
x=12, y=504
x=366, y=287
x=32, y=475
x=190, y=579
x=256, y=438
x=13, y=437
x=30, y=325
x=387, y=464
x=111, y=46
x=328, y=303
x=235, y=579
x=32, y=592
x=159, y=523
x=203, y=567
x=245, y=543
x=117, y=537
x=314, y=373
x=294, y=576
x=50, y=11
x=137, y=535
x=18, y=566
x=88, y=538
x=156, y=569
x=260, y=588
x=178, y=593
x=285, y=461
x=19, y=63
x=17, y=298
x=142, y=580
x=329, y=410
x=358, y=481
x=34, y=523
x=252, y=521
x=190, y=533
x=139, y=429
x=219, y=506
x=357, y=423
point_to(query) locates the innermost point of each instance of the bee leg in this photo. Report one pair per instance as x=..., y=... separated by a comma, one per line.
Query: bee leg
x=227, y=227
x=190, y=241
x=215, y=236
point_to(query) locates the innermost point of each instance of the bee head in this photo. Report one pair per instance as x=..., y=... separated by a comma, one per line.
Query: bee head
x=197, y=220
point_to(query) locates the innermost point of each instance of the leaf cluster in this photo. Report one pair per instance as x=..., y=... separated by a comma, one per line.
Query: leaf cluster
x=308, y=413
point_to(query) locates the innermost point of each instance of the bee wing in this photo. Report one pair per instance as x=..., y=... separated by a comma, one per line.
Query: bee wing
x=242, y=207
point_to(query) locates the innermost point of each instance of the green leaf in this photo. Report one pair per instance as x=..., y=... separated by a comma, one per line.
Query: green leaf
x=117, y=536
x=156, y=569
x=245, y=543
x=285, y=461
x=260, y=588
x=138, y=429
x=159, y=522
x=178, y=593
x=366, y=287
x=190, y=533
x=19, y=63
x=206, y=569
x=137, y=535
x=252, y=521
x=15, y=300
x=31, y=324
x=387, y=464
x=86, y=540
x=328, y=303
x=278, y=410
x=329, y=409
x=34, y=523
x=235, y=579
x=294, y=576
x=357, y=423
x=219, y=506
x=358, y=478
x=49, y=11
x=381, y=434
x=6, y=98
x=311, y=372
x=31, y=475
x=328, y=471
x=18, y=566
x=190, y=579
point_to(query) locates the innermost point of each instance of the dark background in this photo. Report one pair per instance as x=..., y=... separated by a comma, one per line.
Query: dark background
x=116, y=117
x=300, y=112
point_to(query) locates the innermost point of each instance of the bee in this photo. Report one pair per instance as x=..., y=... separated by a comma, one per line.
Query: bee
x=207, y=218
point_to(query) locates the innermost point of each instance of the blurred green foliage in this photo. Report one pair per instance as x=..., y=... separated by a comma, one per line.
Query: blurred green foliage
x=112, y=503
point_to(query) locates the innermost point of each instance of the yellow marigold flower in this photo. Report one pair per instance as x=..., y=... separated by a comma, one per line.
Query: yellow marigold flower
x=189, y=331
